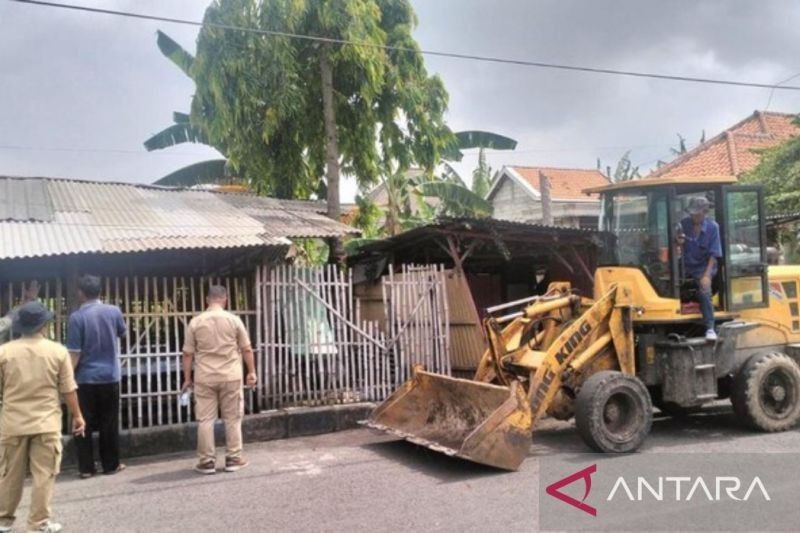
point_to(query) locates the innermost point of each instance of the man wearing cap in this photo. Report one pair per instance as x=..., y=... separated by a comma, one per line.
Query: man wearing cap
x=33, y=371
x=30, y=294
x=702, y=251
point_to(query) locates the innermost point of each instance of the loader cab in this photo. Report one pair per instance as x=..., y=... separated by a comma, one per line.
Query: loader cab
x=645, y=218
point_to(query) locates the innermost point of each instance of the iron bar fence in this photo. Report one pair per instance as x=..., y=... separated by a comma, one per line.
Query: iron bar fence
x=312, y=345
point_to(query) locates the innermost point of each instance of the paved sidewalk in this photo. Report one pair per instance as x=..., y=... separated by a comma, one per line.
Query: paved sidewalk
x=357, y=481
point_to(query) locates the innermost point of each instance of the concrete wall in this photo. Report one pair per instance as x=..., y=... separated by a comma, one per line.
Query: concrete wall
x=512, y=202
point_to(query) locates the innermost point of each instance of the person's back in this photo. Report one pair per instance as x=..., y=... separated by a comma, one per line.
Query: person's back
x=94, y=330
x=216, y=345
x=218, y=335
x=32, y=370
x=93, y=340
x=34, y=374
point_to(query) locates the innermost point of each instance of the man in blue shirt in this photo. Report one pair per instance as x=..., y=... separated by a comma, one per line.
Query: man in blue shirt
x=702, y=251
x=92, y=340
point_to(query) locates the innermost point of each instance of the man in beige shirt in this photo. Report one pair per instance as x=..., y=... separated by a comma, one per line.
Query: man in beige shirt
x=217, y=342
x=33, y=371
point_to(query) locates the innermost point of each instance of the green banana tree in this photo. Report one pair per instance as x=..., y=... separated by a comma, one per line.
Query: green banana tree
x=214, y=171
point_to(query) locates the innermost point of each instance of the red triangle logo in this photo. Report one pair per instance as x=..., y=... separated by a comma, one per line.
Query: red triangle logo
x=586, y=475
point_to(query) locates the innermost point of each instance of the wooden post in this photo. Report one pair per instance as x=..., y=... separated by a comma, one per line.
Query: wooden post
x=71, y=274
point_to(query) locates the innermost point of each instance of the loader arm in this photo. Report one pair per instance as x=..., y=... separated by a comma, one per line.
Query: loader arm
x=489, y=419
x=606, y=324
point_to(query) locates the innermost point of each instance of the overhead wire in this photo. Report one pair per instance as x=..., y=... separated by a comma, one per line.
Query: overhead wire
x=433, y=53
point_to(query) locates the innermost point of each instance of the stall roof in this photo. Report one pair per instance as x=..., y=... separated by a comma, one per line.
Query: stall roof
x=42, y=217
x=486, y=229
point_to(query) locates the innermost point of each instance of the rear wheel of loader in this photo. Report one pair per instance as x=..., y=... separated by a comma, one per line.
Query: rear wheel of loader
x=766, y=392
x=613, y=412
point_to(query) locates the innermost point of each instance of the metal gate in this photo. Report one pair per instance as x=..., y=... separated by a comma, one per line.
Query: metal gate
x=315, y=348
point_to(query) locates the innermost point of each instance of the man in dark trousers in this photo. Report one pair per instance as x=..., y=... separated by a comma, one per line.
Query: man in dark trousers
x=92, y=340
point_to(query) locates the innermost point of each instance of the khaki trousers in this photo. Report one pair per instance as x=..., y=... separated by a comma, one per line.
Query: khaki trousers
x=227, y=399
x=42, y=453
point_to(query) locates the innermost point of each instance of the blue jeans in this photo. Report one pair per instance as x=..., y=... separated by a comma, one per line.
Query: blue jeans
x=706, y=307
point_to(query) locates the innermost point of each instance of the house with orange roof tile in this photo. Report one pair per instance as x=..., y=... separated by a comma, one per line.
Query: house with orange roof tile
x=516, y=195
x=735, y=151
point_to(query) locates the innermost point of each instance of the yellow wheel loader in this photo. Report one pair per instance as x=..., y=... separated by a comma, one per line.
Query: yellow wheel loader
x=640, y=342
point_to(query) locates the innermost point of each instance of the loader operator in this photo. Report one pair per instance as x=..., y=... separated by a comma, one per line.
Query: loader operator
x=701, y=249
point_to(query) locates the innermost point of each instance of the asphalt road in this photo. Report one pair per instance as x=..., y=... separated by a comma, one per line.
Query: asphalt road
x=359, y=481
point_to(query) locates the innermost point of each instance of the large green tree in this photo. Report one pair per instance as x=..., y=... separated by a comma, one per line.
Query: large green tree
x=293, y=114
x=779, y=172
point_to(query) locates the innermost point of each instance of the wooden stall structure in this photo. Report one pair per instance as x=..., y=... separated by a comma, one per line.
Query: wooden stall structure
x=489, y=262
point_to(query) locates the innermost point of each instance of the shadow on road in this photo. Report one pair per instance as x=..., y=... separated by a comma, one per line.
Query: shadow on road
x=437, y=465
x=712, y=424
x=165, y=477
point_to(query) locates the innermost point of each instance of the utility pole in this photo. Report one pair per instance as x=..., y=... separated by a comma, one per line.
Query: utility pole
x=544, y=191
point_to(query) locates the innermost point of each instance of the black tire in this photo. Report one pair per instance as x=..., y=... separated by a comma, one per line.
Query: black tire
x=613, y=412
x=766, y=392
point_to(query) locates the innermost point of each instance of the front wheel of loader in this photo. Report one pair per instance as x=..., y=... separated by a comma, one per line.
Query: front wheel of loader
x=766, y=392
x=613, y=412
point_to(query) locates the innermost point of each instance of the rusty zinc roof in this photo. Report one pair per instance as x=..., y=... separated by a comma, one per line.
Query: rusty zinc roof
x=48, y=216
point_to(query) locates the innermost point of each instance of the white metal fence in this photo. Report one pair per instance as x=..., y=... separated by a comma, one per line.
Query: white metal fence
x=313, y=347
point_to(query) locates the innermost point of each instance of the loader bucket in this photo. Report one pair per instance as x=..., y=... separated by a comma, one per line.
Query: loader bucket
x=484, y=423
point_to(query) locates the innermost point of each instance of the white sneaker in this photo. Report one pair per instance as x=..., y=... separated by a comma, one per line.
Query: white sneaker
x=5, y=529
x=711, y=335
x=49, y=527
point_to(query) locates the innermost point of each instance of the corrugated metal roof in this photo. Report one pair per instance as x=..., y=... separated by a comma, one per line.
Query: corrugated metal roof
x=293, y=218
x=100, y=217
x=25, y=199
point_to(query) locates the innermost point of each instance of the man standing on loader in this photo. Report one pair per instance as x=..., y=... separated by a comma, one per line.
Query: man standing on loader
x=701, y=248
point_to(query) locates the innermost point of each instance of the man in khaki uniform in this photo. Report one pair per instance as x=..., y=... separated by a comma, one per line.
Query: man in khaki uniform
x=217, y=342
x=33, y=370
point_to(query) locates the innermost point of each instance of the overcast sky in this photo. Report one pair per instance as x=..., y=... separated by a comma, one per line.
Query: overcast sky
x=80, y=92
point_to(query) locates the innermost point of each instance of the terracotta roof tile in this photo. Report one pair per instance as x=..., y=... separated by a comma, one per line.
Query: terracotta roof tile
x=733, y=150
x=565, y=183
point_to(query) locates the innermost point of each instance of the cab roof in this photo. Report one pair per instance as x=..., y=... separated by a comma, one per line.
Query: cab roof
x=661, y=182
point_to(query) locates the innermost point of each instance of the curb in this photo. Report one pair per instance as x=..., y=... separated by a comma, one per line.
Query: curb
x=260, y=427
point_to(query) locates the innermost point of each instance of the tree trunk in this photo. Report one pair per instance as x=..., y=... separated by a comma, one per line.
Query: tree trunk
x=331, y=138
x=331, y=148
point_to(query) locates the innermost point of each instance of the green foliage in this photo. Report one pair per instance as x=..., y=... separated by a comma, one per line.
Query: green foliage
x=311, y=252
x=204, y=172
x=175, y=52
x=466, y=140
x=368, y=217
x=455, y=200
x=624, y=171
x=260, y=96
x=481, y=176
x=779, y=173
x=178, y=133
x=681, y=149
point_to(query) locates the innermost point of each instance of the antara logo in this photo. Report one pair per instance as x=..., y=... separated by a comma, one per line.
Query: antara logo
x=716, y=489
x=666, y=488
x=554, y=489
